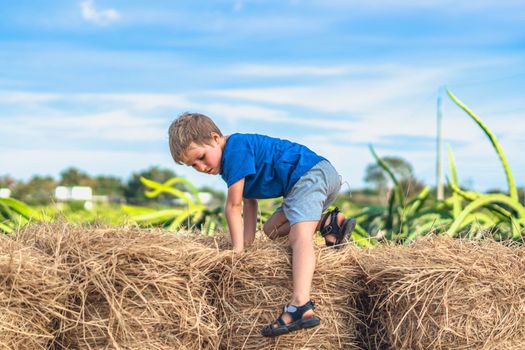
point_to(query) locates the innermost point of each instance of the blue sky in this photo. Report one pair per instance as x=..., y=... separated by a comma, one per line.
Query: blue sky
x=95, y=83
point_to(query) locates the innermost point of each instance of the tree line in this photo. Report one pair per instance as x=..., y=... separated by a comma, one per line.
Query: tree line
x=40, y=190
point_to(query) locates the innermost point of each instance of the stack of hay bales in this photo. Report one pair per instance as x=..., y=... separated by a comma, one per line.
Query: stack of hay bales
x=31, y=297
x=130, y=288
x=253, y=287
x=67, y=287
x=441, y=293
x=126, y=288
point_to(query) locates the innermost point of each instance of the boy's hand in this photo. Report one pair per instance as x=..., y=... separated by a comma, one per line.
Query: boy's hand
x=233, y=211
x=238, y=251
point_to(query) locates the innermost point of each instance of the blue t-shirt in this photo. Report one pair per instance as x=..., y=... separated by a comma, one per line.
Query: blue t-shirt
x=270, y=166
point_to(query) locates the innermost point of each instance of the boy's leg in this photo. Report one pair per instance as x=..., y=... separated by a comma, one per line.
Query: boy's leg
x=303, y=263
x=303, y=266
x=277, y=225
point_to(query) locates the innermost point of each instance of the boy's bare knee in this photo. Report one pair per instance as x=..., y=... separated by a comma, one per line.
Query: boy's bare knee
x=270, y=231
x=302, y=233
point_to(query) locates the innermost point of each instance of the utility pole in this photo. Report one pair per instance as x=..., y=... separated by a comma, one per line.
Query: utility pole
x=439, y=176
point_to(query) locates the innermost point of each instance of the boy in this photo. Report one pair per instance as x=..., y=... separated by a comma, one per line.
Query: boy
x=257, y=166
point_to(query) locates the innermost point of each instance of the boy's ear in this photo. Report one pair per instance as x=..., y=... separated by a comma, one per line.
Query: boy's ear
x=215, y=137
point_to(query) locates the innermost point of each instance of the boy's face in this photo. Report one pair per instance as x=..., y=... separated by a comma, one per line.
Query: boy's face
x=205, y=158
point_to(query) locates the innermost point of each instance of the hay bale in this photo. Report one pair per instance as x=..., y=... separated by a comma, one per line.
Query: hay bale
x=252, y=287
x=31, y=295
x=130, y=288
x=441, y=293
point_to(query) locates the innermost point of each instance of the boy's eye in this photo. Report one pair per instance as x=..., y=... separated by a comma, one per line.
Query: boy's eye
x=202, y=157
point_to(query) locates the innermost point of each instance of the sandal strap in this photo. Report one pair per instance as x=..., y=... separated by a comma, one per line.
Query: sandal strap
x=278, y=327
x=279, y=321
x=332, y=227
x=297, y=312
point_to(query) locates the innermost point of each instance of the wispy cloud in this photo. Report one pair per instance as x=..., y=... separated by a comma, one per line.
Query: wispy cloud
x=116, y=125
x=260, y=70
x=99, y=17
x=238, y=5
x=26, y=97
x=131, y=101
x=439, y=5
x=344, y=96
x=110, y=125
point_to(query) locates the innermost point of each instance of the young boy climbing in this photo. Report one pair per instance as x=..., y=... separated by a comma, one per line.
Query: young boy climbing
x=255, y=167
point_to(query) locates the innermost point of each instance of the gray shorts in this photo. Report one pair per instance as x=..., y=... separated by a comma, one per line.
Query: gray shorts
x=312, y=194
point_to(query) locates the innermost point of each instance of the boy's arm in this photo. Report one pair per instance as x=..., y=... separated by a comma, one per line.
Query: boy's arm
x=232, y=211
x=249, y=214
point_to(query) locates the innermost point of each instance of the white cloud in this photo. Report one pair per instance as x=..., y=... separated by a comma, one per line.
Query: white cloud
x=238, y=5
x=26, y=97
x=99, y=17
x=344, y=96
x=237, y=112
x=138, y=101
x=120, y=117
x=439, y=5
x=287, y=71
x=109, y=125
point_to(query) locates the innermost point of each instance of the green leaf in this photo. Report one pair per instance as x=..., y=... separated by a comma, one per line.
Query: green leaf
x=389, y=224
x=132, y=210
x=157, y=216
x=472, y=196
x=513, y=192
x=158, y=188
x=5, y=228
x=482, y=201
x=185, y=214
x=516, y=227
x=456, y=199
x=415, y=205
x=390, y=173
x=361, y=237
x=421, y=230
x=479, y=217
x=23, y=209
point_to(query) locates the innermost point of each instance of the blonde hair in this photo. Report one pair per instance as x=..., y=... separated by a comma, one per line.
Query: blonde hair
x=190, y=128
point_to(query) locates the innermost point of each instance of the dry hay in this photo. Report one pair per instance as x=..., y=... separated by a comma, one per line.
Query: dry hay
x=253, y=287
x=130, y=288
x=66, y=287
x=31, y=296
x=125, y=288
x=441, y=293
